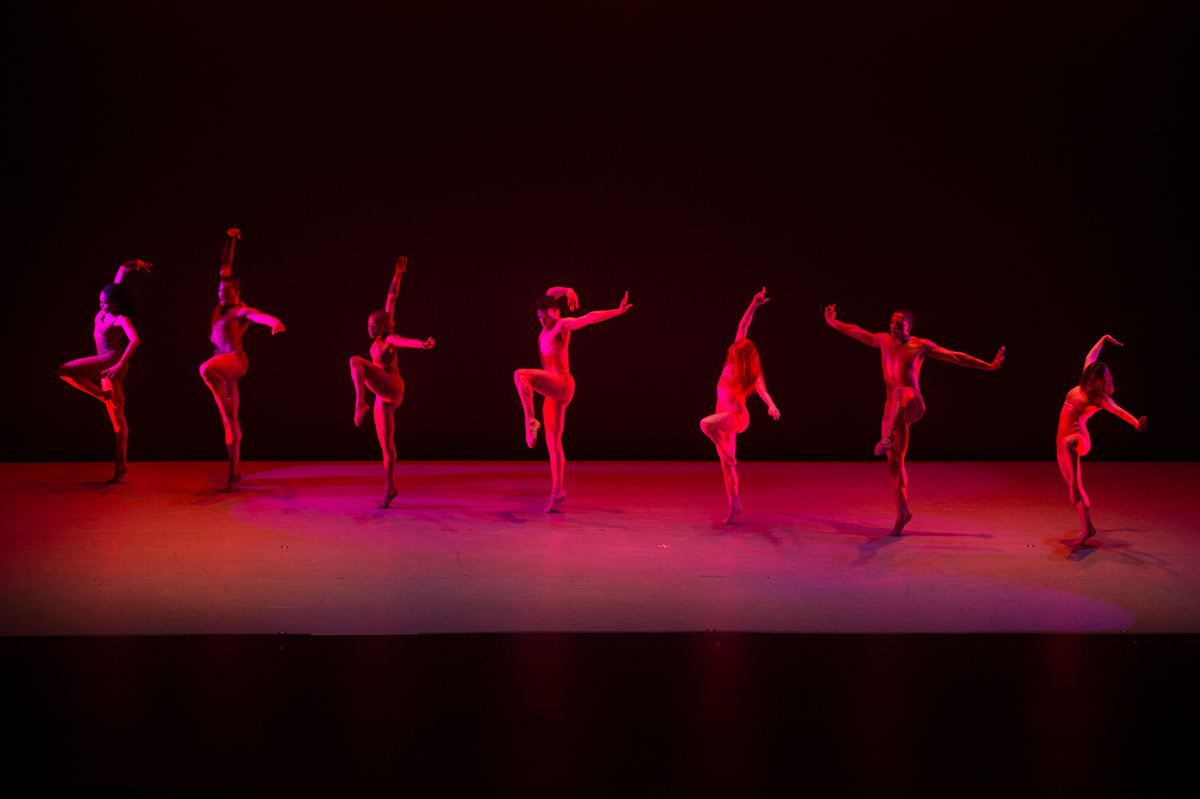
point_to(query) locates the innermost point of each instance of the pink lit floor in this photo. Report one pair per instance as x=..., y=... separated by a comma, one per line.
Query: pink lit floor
x=466, y=548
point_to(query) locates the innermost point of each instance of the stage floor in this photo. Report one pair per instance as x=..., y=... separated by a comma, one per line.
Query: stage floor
x=466, y=548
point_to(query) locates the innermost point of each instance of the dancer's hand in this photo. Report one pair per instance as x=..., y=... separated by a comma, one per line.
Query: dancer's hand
x=999, y=359
x=1141, y=425
x=111, y=372
x=761, y=297
x=136, y=264
x=235, y=233
x=428, y=345
x=572, y=300
x=1111, y=340
x=773, y=411
x=831, y=313
x=624, y=306
x=401, y=265
x=276, y=328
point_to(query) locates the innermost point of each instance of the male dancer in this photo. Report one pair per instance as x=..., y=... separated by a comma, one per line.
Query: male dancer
x=553, y=381
x=221, y=372
x=902, y=356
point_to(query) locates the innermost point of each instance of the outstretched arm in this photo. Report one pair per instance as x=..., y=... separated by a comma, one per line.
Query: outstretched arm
x=394, y=289
x=255, y=315
x=576, y=322
x=129, y=267
x=411, y=343
x=134, y=341
x=1118, y=411
x=561, y=291
x=760, y=386
x=962, y=359
x=227, y=253
x=748, y=316
x=1094, y=352
x=853, y=331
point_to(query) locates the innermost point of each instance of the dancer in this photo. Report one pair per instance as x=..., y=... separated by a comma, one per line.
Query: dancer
x=1093, y=393
x=742, y=372
x=109, y=365
x=902, y=356
x=382, y=377
x=221, y=372
x=553, y=381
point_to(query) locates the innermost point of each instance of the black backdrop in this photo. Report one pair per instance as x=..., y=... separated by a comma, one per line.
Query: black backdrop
x=1015, y=175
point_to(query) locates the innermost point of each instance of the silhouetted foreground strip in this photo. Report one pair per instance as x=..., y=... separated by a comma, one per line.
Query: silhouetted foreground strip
x=740, y=714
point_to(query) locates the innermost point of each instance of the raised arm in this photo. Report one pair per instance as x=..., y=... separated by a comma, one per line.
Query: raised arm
x=411, y=343
x=227, y=253
x=394, y=289
x=563, y=291
x=760, y=386
x=962, y=359
x=1118, y=411
x=853, y=331
x=129, y=267
x=257, y=316
x=576, y=322
x=1094, y=352
x=131, y=334
x=748, y=316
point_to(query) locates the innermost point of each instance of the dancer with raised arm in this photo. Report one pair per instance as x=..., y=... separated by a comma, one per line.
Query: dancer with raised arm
x=1093, y=393
x=382, y=377
x=741, y=374
x=221, y=372
x=114, y=323
x=902, y=355
x=553, y=381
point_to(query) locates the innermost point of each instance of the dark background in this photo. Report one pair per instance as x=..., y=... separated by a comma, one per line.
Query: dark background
x=1015, y=175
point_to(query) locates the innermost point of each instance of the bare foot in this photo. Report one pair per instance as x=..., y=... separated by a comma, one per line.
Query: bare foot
x=734, y=510
x=900, y=522
x=1088, y=533
x=119, y=473
x=388, y=496
x=361, y=409
x=234, y=479
x=882, y=449
x=531, y=431
x=106, y=397
x=555, y=501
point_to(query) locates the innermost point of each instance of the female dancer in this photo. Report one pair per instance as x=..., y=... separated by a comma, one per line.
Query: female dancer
x=1093, y=393
x=382, y=377
x=742, y=373
x=111, y=361
x=221, y=373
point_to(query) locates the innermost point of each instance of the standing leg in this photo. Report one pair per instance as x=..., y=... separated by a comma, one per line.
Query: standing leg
x=233, y=437
x=220, y=373
x=719, y=427
x=899, y=477
x=555, y=414
x=1070, y=449
x=115, y=389
x=385, y=428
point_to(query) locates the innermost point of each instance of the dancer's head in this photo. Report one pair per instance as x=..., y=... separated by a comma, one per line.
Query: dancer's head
x=380, y=324
x=547, y=311
x=742, y=355
x=114, y=299
x=902, y=322
x=228, y=290
x=1096, y=379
